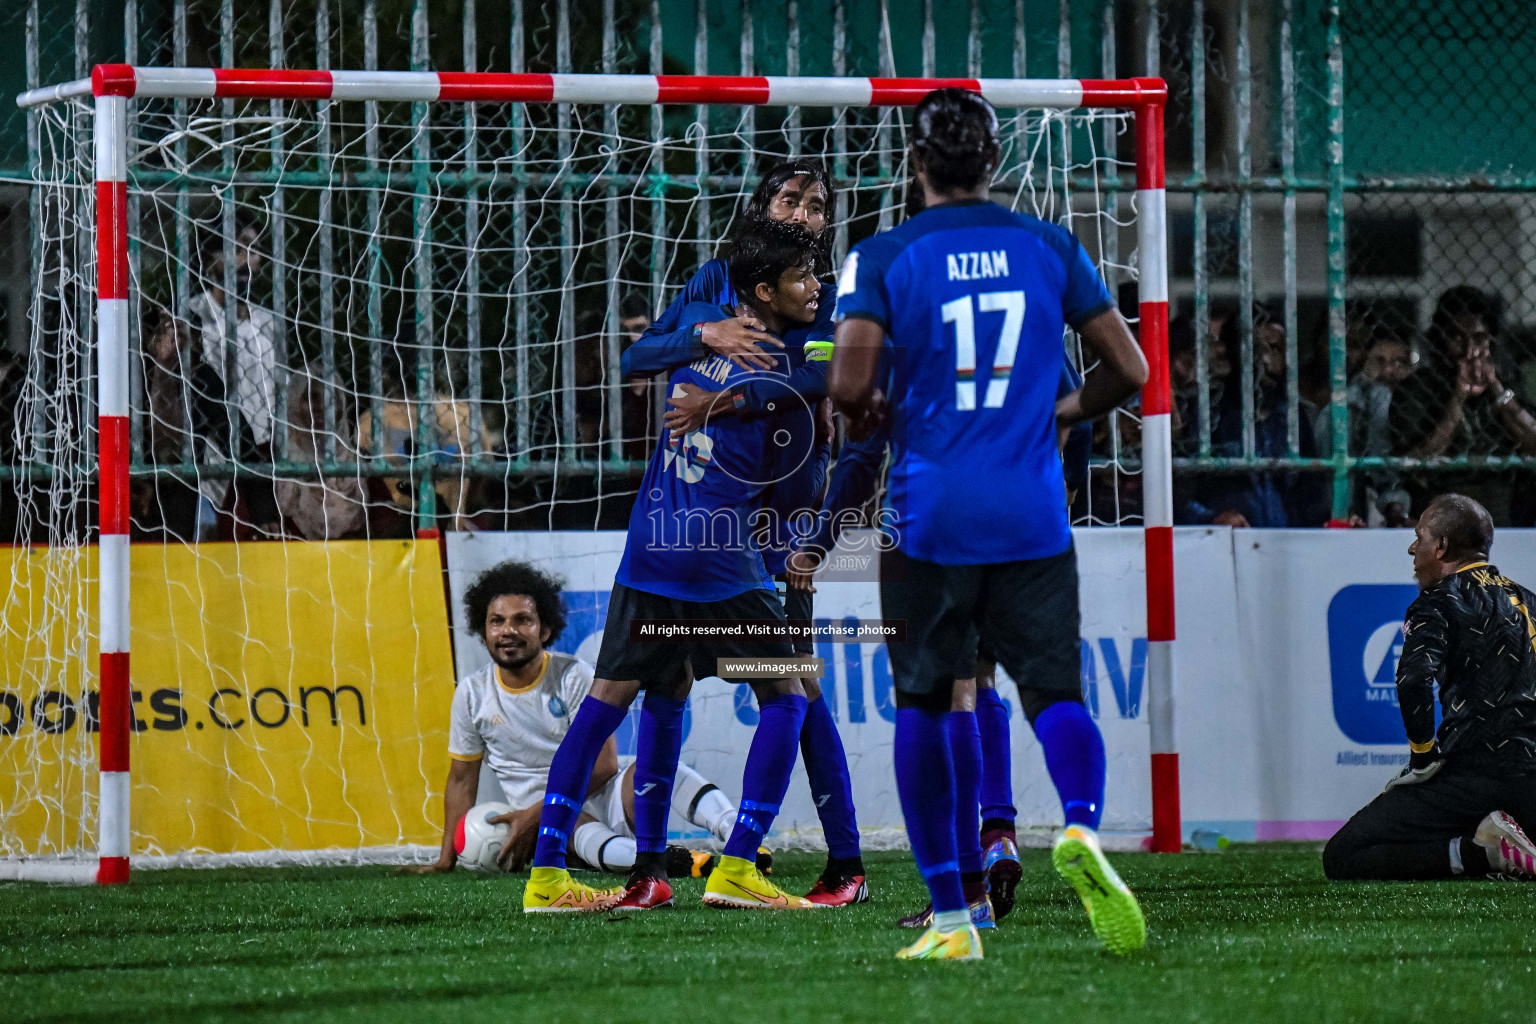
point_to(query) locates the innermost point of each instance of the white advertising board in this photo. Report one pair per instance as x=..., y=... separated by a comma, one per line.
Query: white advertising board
x=1286, y=718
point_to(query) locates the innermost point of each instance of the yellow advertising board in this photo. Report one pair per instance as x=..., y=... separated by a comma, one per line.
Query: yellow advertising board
x=286, y=696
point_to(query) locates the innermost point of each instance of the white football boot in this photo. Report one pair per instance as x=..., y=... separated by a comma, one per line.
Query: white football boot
x=1510, y=851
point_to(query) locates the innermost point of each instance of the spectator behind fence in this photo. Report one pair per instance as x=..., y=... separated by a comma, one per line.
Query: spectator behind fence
x=1457, y=404
x=639, y=393
x=249, y=354
x=1388, y=362
x=1192, y=490
x=1262, y=498
x=187, y=424
x=451, y=435
x=590, y=364
x=323, y=507
x=1314, y=400
x=1183, y=369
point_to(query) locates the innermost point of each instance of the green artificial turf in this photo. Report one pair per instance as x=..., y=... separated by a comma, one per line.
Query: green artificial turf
x=1254, y=934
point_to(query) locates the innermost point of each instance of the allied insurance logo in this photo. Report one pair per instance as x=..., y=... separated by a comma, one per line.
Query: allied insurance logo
x=1365, y=640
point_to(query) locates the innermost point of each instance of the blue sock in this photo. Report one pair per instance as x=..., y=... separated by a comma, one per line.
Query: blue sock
x=826, y=765
x=996, y=756
x=770, y=759
x=657, y=747
x=926, y=782
x=1074, y=755
x=965, y=755
x=570, y=773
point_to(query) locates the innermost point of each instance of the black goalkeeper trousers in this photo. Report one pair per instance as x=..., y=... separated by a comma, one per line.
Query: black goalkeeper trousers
x=1405, y=833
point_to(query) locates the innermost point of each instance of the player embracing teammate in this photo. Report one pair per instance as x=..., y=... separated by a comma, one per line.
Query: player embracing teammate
x=689, y=556
x=797, y=192
x=974, y=300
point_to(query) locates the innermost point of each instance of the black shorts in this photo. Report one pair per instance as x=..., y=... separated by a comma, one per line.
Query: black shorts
x=974, y=650
x=798, y=607
x=1027, y=610
x=660, y=662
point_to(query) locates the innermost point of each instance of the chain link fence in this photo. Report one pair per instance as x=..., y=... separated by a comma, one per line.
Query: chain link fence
x=1350, y=217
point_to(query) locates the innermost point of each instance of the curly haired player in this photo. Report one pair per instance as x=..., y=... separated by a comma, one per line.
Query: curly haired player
x=512, y=715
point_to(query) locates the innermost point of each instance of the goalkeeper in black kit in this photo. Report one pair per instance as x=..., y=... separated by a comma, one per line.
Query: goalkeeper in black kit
x=1468, y=795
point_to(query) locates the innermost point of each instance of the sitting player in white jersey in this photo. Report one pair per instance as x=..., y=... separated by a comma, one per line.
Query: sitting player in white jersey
x=513, y=713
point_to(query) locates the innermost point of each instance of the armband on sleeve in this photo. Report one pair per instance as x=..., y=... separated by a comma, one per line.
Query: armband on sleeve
x=818, y=351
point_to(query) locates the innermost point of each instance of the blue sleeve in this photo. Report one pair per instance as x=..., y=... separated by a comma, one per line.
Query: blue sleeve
x=659, y=353
x=668, y=343
x=861, y=290
x=809, y=381
x=1085, y=295
x=664, y=355
x=853, y=483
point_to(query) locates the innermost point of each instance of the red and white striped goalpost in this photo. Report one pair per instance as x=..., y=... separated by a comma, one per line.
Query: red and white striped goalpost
x=112, y=85
x=116, y=709
x=1157, y=469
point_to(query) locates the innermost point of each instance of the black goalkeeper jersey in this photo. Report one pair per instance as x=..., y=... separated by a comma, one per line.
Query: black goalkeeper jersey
x=1473, y=634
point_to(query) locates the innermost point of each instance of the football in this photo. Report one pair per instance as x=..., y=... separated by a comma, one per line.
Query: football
x=477, y=841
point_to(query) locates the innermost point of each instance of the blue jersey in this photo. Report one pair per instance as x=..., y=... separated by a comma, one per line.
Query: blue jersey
x=974, y=299
x=689, y=534
x=858, y=468
x=800, y=474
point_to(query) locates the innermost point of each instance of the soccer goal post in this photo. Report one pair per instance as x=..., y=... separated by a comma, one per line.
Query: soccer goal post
x=412, y=344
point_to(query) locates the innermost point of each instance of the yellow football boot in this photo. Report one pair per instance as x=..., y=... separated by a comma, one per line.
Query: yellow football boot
x=1112, y=908
x=960, y=944
x=737, y=883
x=554, y=891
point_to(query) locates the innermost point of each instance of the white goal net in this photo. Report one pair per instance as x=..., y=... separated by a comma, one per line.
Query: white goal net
x=375, y=346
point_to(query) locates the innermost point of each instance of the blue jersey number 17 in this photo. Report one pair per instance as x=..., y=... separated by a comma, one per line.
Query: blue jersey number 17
x=960, y=313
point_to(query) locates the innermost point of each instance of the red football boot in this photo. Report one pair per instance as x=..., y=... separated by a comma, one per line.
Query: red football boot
x=840, y=891
x=645, y=892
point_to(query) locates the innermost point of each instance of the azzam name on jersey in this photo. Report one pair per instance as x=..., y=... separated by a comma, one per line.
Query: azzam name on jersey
x=977, y=266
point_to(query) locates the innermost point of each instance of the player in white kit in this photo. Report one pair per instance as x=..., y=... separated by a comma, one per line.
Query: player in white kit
x=512, y=714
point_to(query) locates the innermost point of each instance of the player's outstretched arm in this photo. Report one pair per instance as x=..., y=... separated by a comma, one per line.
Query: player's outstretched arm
x=1121, y=372
x=458, y=798
x=677, y=338
x=695, y=407
x=808, y=380
x=669, y=342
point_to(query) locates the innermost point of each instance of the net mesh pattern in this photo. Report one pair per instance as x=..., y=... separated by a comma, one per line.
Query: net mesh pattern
x=429, y=305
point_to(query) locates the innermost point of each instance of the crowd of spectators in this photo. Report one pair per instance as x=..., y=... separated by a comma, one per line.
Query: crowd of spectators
x=221, y=398
x=1454, y=401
